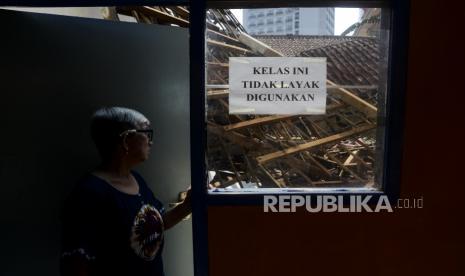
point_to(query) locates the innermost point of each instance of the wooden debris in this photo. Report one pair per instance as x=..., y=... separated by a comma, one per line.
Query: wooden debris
x=313, y=144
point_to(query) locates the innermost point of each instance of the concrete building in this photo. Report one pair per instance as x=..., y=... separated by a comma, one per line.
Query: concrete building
x=285, y=21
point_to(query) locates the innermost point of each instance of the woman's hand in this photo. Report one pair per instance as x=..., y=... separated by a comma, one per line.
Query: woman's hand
x=179, y=212
x=187, y=199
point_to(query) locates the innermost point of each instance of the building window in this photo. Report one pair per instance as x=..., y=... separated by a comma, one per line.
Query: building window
x=340, y=148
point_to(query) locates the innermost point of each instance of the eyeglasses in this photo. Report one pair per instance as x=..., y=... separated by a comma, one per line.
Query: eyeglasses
x=147, y=132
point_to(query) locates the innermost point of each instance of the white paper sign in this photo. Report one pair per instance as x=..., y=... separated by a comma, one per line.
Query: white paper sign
x=277, y=85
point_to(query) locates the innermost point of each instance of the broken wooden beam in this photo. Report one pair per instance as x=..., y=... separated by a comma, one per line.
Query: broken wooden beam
x=233, y=136
x=344, y=167
x=218, y=94
x=258, y=46
x=181, y=11
x=354, y=155
x=257, y=122
x=268, y=119
x=158, y=14
x=217, y=64
x=349, y=98
x=319, y=165
x=310, y=145
x=231, y=47
x=232, y=39
x=270, y=177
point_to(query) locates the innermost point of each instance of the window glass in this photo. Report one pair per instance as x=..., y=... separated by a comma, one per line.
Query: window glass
x=260, y=135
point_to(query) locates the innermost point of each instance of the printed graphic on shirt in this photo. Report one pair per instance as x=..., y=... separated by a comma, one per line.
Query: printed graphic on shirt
x=147, y=232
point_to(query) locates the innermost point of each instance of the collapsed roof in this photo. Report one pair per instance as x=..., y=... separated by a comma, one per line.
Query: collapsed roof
x=338, y=149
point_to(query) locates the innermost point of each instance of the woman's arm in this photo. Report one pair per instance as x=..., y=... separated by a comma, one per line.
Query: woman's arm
x=176, y=214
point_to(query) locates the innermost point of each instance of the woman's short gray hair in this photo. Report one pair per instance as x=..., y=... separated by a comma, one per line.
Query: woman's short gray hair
x=108, y=122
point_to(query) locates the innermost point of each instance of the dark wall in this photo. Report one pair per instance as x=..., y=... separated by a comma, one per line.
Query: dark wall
x=55, y=72
x=428, y=241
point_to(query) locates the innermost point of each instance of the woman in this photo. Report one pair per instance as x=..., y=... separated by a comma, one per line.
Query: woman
x=113, y=224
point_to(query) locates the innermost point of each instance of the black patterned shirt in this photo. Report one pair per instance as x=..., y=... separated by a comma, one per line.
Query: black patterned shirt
x=116, y=233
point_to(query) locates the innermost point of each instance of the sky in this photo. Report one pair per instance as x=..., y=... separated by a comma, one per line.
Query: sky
x=344, y=17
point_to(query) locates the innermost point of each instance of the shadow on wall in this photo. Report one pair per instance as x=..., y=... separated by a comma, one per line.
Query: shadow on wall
x=56, y=71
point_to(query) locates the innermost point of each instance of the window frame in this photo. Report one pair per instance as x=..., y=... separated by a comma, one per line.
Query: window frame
x=396, y=81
